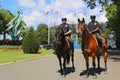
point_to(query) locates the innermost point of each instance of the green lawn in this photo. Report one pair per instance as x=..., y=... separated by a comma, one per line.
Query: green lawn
x=15, y=55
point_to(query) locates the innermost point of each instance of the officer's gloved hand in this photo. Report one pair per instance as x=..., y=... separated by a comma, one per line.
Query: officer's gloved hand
x=65, y=34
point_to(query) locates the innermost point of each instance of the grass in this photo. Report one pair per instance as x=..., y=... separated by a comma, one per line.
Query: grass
x=15, y=55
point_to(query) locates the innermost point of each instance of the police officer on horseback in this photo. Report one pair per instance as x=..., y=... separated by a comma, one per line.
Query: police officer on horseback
x=67, y=30
x=67, y=33
x=94, y=28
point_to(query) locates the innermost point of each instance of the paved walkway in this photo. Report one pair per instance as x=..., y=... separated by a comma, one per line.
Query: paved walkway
x=47, y=68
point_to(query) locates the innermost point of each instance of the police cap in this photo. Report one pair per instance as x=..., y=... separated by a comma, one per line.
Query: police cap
x=92, y=16
x=64, y=19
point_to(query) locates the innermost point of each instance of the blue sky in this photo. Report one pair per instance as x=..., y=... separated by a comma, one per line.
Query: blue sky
x=34, y=11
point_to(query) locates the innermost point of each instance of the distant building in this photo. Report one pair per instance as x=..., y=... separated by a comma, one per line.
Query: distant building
x=102, y=25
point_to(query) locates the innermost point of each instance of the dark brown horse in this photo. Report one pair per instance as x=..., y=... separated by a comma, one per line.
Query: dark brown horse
x=63, y=50
x=90, y=46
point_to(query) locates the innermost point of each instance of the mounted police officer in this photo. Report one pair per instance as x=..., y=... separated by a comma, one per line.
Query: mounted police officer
x=94, y=28
x=67, y=33
x=67, y=30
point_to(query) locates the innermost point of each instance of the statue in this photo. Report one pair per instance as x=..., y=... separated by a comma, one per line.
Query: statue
x=16, y=25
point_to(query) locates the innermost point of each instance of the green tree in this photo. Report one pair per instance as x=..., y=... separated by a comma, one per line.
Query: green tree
x=112, y=8
x=42, y=33
x=5, y=17
x=93, y=3
x=30, y=43
x=52, y=34
x=23, y=33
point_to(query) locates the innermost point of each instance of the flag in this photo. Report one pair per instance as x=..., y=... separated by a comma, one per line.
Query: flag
x=56, y=12
x=85, y=14
x=74, y=14
x=46, y=13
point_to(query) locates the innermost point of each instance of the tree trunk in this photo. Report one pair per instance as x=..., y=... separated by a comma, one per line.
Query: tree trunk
x=4, y=35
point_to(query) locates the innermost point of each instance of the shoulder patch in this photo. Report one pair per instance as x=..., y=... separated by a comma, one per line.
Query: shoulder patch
x=95, y=23
x=66, y=25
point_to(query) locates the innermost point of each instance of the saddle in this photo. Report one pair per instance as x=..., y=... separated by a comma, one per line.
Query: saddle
x=67, y=44
x=99, y=43
x=94, y=36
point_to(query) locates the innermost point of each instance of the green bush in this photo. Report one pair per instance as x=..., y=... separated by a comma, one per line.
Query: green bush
x=30, y=43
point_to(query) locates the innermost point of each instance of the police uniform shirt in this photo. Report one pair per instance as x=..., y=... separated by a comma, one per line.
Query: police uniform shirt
x=93, y=25
x=65, y=27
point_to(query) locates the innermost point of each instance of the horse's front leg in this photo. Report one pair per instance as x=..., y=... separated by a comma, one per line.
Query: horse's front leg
x=60, y=64
x=87, y=65
x=64, y=66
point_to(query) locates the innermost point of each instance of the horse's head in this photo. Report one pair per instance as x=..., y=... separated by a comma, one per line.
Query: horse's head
x=59, y=36
x=81, y=25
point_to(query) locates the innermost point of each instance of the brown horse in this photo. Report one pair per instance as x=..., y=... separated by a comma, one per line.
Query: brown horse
x=63, y=50
x=90, y=46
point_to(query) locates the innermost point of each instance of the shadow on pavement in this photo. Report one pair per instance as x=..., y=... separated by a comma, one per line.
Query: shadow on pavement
x=68, y=70
x=91, y=71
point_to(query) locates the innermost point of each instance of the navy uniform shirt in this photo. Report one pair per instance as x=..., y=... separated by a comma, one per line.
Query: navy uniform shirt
x=65, y=27
x=93, y=25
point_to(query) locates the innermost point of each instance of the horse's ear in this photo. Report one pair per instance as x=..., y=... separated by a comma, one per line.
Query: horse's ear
x=83, y=20
x=78, y=20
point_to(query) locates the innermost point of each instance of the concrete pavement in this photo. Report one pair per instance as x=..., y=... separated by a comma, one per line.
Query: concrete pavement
x=47, y=68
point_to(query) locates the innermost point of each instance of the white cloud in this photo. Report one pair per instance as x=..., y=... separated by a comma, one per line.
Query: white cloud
x=95, y=11
x=35, y=10
x=102, y=18
x=27, y=3
x=33, y=17
x=67, y=5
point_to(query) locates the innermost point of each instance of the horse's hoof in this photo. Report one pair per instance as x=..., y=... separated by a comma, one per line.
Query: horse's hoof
x=98, y=67
x=73, y=69
x=63, y=76
x=87, y=76
x=105, y=72
x=95, y=77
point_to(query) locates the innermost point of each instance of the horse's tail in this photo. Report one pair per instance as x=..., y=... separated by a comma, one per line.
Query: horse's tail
x=105, y=42
x=68, y=58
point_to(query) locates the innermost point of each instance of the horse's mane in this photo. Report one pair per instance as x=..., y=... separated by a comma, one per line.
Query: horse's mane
x=60, y=32
x=86, y=37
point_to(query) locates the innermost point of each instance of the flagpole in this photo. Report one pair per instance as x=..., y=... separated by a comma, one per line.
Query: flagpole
x=49, y=18
x=48, y=35
x=47, y=15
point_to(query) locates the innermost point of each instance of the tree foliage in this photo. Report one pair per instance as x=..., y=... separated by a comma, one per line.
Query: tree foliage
x=5, y=17
x=112, y=8
x=30, y=43
x=42, y=33
x=113, y=15
x=93, y=3
x=52, y=34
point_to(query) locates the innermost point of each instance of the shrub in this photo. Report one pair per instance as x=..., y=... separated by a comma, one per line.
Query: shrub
x=30, y=43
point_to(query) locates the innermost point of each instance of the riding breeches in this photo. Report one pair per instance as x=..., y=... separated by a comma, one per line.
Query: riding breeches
x=100, y=42
x=70, y=40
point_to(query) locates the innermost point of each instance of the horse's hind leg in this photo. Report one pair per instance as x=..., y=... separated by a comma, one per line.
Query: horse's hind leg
x=64, y=66
x=105, y=47
x=105, y=60
x=72, y=59
x=98, y=59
